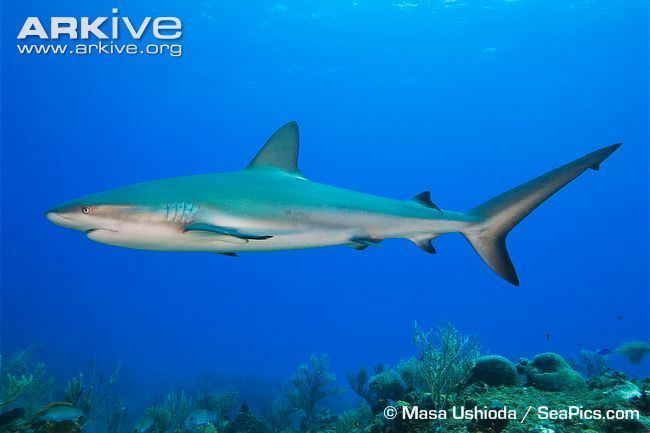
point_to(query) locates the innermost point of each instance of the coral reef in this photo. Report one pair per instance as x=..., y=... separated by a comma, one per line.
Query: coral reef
x=278, y=416
x=494, y=370
x=445, y=364
x=310, y=384
x=409, y=371
x=359, y=384
x=178, y=411
x=219, y=403
x=386, y=386
x=102, y=410
x=589, y=363
x=446, y=377
x=246, y=421
x=24, y=382
x=379, y=389
x=634, y=351
x=550, y=372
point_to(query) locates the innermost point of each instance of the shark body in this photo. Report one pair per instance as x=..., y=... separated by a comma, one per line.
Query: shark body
x=271, y=206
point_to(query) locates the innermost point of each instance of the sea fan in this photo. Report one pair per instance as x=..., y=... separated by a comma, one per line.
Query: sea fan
x=634, y=351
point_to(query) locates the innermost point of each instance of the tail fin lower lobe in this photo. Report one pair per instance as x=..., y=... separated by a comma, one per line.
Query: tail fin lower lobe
x=496, y=217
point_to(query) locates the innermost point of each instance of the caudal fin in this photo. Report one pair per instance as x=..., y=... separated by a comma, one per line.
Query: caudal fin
x=496, y=217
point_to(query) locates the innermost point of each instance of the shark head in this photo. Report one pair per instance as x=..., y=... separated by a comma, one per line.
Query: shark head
x=90, y=215
x=118, y=217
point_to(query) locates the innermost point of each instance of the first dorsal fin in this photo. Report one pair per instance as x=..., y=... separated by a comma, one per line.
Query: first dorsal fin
x=280, y=151
x=424, y=198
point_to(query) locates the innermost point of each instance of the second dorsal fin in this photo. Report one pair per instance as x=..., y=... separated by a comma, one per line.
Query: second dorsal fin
x=280, y=151
x=424, y=198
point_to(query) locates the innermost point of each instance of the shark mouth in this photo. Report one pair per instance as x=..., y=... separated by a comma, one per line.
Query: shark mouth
x=100, y=235
x=90, y=231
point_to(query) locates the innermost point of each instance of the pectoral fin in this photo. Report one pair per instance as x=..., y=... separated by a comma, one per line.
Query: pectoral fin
x=223, y=231
x=216, y=237
x=363, y=243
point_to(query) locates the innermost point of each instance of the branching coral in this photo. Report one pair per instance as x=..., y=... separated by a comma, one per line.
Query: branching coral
x=359, y=383
x=91, y=396
x=161, y=419
x=445, y=365
x=74, y=390
x=94, y=397
x=13, y=387
x=278, y=417
x=173, y=412
x=179, y=406
x=21, y=379
x=310, y=384
x=221, y=404
x=116, y=416
x=21, y=359
x=634, y=351
x=353, y=421
x=589, y=363
x=170, y=414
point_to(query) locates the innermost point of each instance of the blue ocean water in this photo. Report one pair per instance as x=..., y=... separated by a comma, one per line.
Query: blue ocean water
x=463, y=98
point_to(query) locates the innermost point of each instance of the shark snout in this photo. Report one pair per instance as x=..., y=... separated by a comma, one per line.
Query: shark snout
x=57, y=218
x=72, y=217
x=88, y=218
x=65, y=219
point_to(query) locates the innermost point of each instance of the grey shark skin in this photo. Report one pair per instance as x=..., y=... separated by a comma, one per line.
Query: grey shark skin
x=271, y=206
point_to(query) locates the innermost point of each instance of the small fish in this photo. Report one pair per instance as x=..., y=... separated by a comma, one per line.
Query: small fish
x=548, y=336
x=619, y=317
x=200, y=417
x=62, y=413
x=604, y=352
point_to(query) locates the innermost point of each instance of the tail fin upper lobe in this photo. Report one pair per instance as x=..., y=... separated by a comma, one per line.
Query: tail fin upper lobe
x=499, y=215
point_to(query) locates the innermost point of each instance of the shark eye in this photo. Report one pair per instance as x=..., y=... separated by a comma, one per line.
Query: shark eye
x=85, y=209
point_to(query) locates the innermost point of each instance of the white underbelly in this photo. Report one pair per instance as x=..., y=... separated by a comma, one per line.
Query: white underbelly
x=326, y=230
x=171, y=238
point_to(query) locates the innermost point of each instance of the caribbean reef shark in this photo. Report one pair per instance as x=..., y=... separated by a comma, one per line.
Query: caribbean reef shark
x=270, y=206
